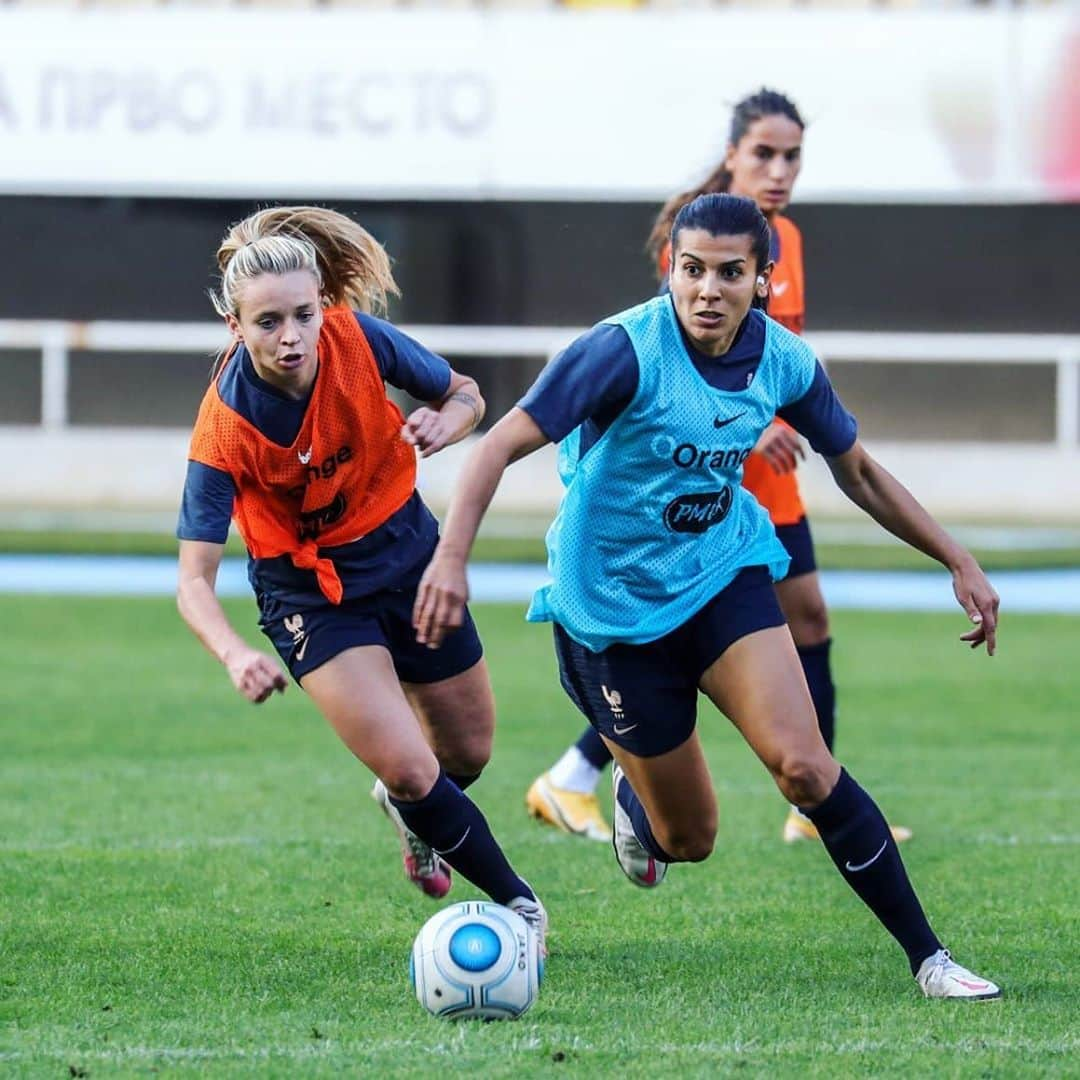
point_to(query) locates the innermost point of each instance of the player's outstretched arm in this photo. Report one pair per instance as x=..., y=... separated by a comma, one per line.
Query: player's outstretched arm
x=442, y=423
x=253, y=673
x=875, y=490
x=443, y=590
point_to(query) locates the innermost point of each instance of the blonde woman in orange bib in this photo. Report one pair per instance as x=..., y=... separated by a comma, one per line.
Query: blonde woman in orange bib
x=297, y=443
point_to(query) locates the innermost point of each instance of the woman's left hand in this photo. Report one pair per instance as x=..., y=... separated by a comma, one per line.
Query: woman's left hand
x=781, y=448
x=427, y=429
x=978, y=598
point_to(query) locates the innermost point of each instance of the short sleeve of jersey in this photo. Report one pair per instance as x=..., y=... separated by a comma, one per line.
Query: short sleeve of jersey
x=207, y=504
x=820, y=416
x=594, y=377
x=403, y=362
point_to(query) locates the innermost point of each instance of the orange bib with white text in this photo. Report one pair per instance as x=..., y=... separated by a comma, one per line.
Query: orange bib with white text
x=347, y=471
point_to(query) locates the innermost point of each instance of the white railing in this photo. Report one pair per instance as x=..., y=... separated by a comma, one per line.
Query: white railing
x=56, y=340
x=81, y=466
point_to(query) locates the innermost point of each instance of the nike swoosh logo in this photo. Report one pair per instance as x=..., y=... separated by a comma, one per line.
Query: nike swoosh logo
x=873, y=859
x=718, y=423
x=623, y=730
x=780, y=287
x=303, y=649
x=464, y=836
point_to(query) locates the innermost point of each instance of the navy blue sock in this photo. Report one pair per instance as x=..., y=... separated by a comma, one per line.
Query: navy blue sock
x=462, y=780
x=818, y=672
x=629, y=801
x=456, y=830
x=857, y=838
x=593, y=748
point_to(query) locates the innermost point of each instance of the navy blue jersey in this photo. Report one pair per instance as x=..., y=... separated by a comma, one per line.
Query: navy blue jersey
x=593, y=380
x=366, y=565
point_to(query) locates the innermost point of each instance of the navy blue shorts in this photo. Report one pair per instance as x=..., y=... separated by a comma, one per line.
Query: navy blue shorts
x=799, y=544
x=644, y=697
x=307, y=637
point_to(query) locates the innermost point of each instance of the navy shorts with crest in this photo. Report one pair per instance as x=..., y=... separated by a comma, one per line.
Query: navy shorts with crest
x=644, y=697
x=306, y=638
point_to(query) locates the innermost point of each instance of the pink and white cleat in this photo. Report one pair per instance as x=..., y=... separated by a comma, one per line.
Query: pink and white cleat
x=422, y=866
x=639, y=865
x=940, y=976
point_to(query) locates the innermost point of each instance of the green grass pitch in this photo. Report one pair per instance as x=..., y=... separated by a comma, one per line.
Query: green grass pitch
x=193, y=886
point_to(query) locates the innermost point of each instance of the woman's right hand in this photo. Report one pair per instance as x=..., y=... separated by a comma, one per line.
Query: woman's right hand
x=980, y=600
x=440, y=599
x=254, y=674
x=444, y=590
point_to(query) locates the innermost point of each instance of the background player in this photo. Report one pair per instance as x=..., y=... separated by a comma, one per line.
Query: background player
x=762, y=162
x=298, y=443
x=662, y=563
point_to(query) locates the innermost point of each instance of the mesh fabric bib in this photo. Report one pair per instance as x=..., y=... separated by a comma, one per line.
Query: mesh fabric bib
x=654, y=521
x=347, y=471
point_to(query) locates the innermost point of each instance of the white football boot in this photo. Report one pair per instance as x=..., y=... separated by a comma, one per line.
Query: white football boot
x=637, y=864
x=534, y=913
x=940, y=976
x=422, y=866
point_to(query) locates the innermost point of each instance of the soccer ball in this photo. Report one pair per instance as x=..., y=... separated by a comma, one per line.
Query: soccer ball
x=476, y=960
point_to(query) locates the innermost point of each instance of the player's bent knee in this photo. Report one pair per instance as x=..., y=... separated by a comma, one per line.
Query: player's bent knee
x=804, y=779
x=810, y=624
x=687, y=845
x=409, y=781
x=691, y=849
x=468, y=760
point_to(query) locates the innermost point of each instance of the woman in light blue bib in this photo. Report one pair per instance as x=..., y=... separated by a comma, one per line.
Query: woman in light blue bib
x=662, y=563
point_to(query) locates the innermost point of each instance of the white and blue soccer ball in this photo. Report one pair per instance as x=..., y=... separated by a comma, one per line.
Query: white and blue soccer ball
x=476, y=960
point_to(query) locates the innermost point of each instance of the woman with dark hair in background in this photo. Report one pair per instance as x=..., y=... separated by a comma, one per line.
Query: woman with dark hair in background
x=762, y=162
x=298, y=443
x=662, y=563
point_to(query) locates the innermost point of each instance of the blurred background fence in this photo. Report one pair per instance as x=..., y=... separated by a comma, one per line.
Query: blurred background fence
x=982, y=425
x=511, y=156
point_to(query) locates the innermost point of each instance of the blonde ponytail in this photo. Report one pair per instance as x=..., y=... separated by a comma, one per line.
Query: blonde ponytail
x=350, y=265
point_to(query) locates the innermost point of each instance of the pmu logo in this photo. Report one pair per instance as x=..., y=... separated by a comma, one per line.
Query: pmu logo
x=696, y=513
x=312, y=522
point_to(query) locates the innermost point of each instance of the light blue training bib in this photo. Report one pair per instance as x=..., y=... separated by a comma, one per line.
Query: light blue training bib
x=655, y=520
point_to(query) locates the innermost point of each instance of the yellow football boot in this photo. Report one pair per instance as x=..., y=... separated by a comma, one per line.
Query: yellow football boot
x=572, y=811
x=800, y=827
